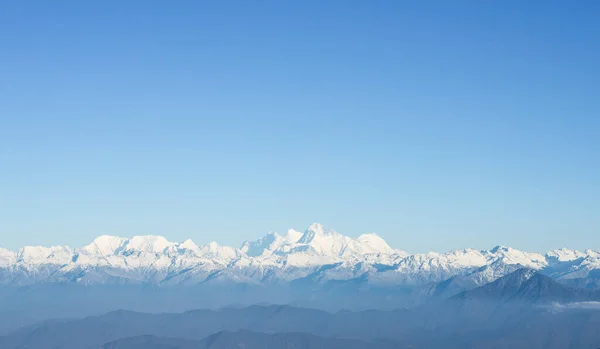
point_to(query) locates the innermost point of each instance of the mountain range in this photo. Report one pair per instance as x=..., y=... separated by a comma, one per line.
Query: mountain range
x=519, y=310
x=318, y=255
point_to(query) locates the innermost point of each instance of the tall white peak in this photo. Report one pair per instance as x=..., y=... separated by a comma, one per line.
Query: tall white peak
x=293, y=236
x=256, y=248
x=327, y=242
x=316, y=231
x=375, y=243
x=104, y=245
x=147, y=243
x=269, y=243
x=187, y=245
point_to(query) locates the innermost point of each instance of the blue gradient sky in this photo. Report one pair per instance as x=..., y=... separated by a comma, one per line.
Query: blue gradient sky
x=437, y=125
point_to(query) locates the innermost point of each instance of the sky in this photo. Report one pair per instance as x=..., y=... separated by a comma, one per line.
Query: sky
x=435, y=124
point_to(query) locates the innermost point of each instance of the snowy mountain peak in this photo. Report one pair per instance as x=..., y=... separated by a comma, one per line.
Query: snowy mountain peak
x=375, y=242
x=5, y=253
x=40, y=254
x=316, y=231
x=316, y=241
x=335, y=247
x=369, y=236
x=147, y=243
x=7, y=257
x=267, y=243
x=188, y=245
x=271, y=243
x=293, y=235
x=214, y=250
x=500, y=248
x=510, y=255
x=565, y=255
x=317, y=228
x=103, y=245
x=592, y=253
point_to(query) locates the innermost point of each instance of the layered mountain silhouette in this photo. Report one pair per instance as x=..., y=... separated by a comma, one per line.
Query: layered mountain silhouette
x=251, y=340
x=530, y=286
x=524, y=309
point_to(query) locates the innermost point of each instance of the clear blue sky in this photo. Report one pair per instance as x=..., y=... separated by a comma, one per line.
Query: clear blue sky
x=437, y=125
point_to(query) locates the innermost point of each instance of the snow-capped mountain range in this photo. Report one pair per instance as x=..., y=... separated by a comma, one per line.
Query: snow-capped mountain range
x=317, y=255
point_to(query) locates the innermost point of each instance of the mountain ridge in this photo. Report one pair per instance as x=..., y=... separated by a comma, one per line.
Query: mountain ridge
x=248, y=340
x=491, y=312
x=274, y=258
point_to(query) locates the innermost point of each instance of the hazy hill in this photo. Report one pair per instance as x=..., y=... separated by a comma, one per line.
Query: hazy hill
x=251, y=340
